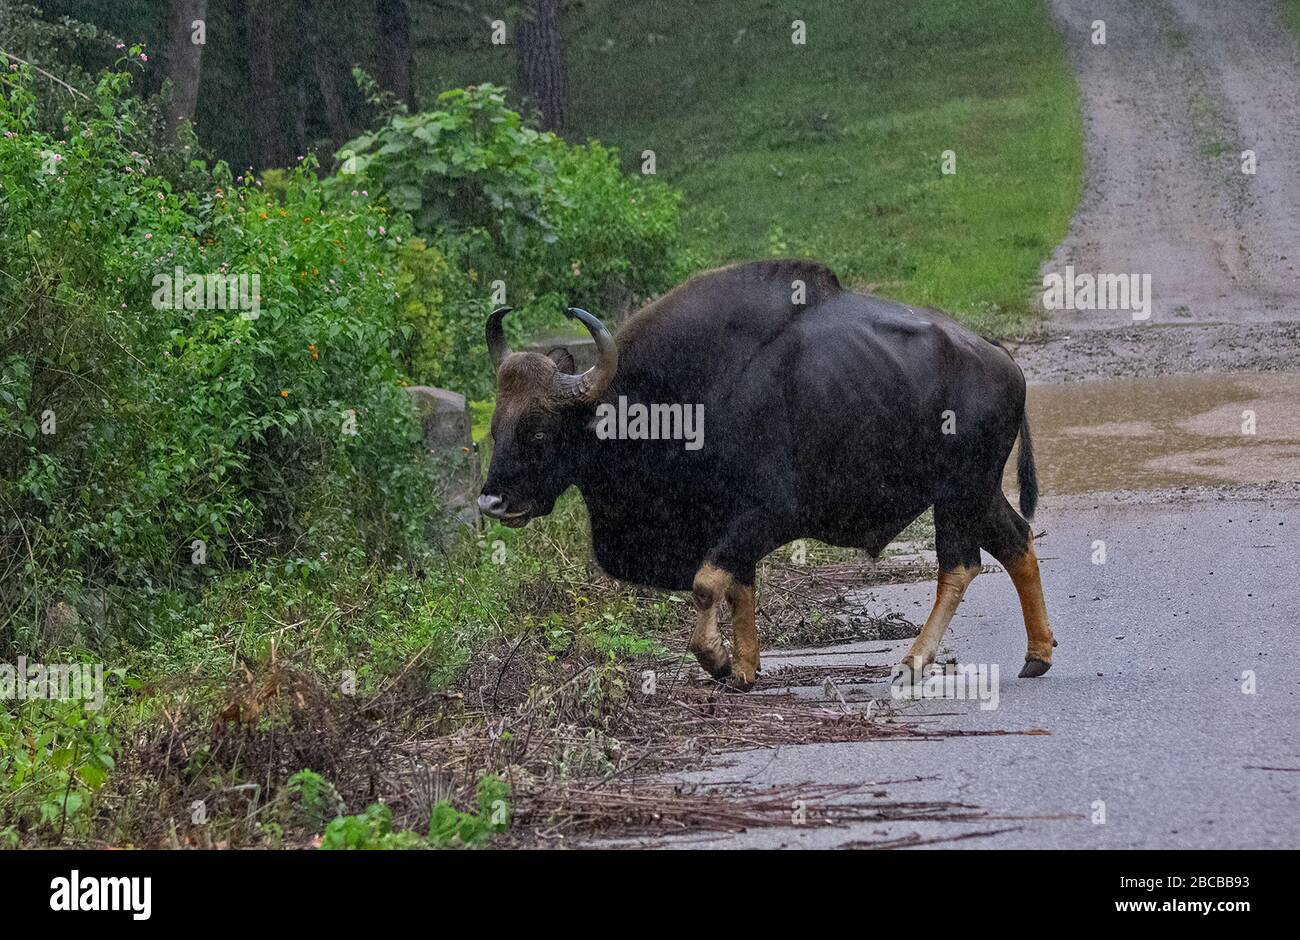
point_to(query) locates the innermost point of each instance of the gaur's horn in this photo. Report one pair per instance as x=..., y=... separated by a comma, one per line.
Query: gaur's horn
x=497, y=346
x=590, y=385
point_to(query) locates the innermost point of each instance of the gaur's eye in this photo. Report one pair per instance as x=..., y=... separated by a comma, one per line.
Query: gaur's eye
x=539, y=436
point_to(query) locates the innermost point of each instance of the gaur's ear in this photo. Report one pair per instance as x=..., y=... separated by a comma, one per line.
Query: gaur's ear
x=563, y=359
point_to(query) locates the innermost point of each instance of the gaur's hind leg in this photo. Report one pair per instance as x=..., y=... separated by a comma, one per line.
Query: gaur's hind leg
x=959, y=562
x=1010, y=540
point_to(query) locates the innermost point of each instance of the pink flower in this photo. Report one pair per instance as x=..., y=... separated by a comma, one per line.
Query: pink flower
x=382, y=230
x=148, y=234
x=143, y=57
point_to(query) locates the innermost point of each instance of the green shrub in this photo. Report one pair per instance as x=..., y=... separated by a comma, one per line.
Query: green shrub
x=557, y=224
x=54, y=755
x=138, y=436
x=372, y=829
x=448, y=826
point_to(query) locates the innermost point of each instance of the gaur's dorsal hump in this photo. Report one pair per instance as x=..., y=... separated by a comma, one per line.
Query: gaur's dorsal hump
x=786, y=274
x=716, y=309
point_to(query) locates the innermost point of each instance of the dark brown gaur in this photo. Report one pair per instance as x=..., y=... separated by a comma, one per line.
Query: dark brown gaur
x=830, y=415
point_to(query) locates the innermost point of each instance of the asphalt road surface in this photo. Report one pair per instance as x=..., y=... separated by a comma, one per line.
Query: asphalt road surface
x=1146, y=707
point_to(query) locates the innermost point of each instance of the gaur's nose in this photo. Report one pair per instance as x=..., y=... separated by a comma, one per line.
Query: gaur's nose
x=493, y=506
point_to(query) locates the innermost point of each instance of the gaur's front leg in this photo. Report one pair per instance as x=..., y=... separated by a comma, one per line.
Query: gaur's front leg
x=730, y=573
x=710, y=586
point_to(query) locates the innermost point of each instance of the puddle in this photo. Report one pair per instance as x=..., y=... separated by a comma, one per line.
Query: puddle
x=1183, y=430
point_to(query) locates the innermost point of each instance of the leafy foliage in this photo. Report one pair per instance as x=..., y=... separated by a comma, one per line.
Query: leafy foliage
x=203, y=422
x=372, y=829
x=448, y=826
x=53, y=756
x=555, y=224
x=135, y=428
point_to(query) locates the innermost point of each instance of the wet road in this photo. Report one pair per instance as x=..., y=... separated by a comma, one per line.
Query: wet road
x=1183, y=430
x=1144, y=705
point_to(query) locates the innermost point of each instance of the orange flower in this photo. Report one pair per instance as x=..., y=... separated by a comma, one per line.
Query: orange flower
x=284, y=393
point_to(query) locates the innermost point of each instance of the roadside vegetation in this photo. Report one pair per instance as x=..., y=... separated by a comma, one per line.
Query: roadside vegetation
x=228, y=508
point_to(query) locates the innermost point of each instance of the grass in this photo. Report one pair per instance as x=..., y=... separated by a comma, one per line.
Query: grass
x=833, y=149
x=1290, y=13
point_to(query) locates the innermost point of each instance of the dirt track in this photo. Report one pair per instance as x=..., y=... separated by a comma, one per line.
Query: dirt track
x=1179, y=90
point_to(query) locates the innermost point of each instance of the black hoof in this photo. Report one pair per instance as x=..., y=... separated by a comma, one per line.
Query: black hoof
x=1034, y=668
x=904, y=674
x=720, y=673
x=737, y=684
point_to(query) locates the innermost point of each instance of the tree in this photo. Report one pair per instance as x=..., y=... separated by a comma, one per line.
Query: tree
x=395, y=50
x=186, y=24
x=543, y=77
x=258, y=25
x=322, y=66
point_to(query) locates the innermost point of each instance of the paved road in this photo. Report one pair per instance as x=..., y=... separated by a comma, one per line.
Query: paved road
x=1144, y=704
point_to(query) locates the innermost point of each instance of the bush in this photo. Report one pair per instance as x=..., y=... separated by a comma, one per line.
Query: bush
x=139, y=436
x=556, y=224
x=448, y=826
x=53, y=756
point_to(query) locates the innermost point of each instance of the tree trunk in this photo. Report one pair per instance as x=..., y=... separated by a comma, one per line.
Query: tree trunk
x=184, y=63
x=258, y=23
x=543, y=77
x=395, y=50
x=322, y=66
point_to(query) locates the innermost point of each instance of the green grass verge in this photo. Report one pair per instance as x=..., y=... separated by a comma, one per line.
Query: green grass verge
x=833, y=149
x=1290, y=12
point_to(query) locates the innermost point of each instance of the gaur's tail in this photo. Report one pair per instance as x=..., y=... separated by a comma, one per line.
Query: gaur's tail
x=1026, y=474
